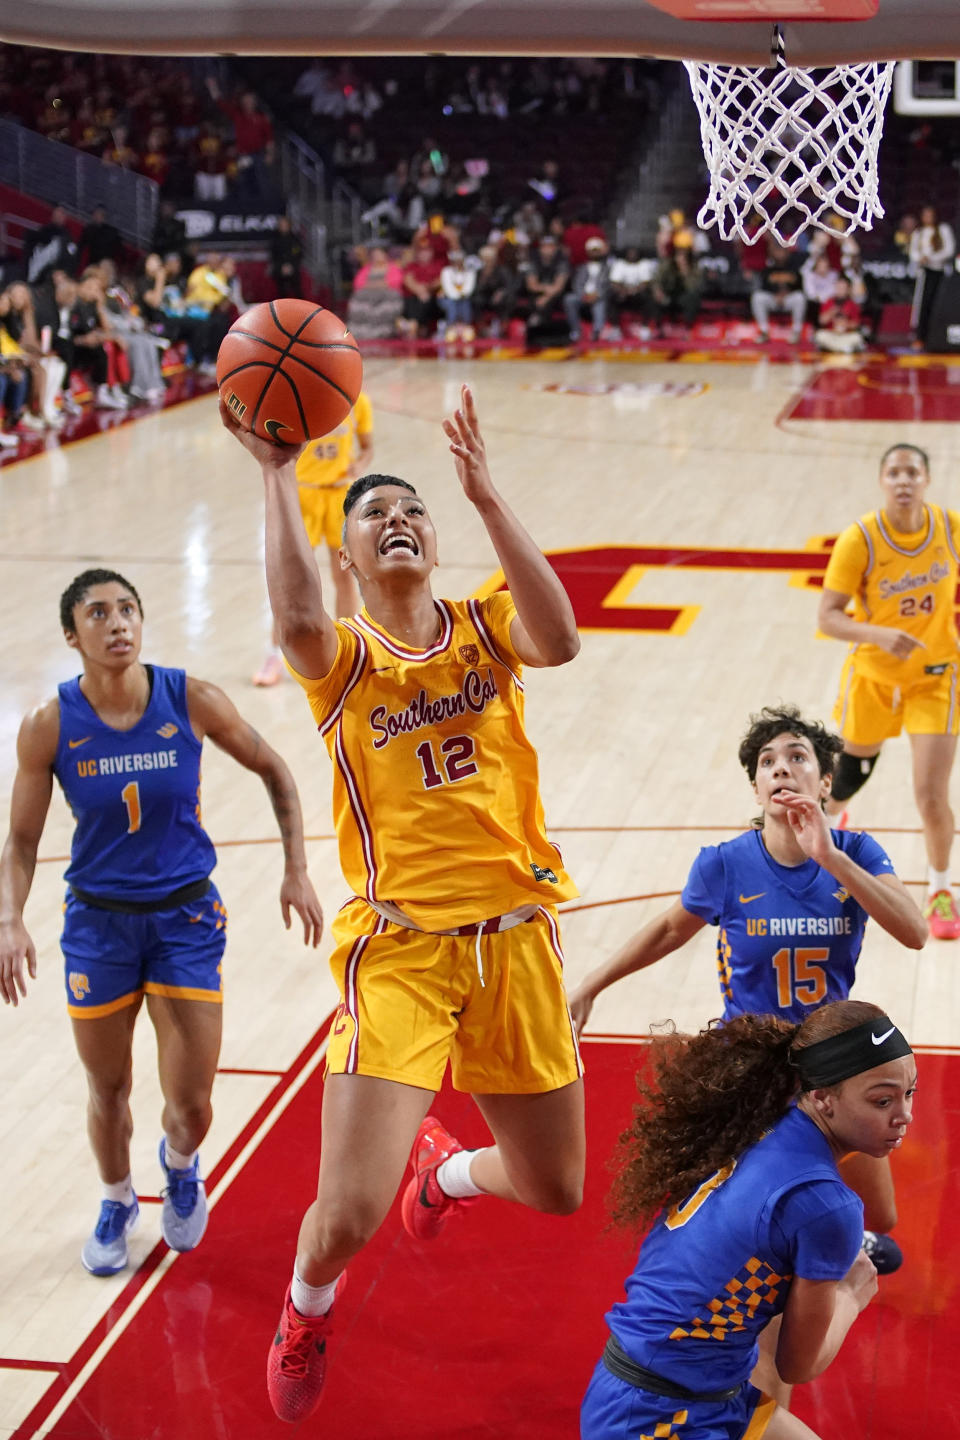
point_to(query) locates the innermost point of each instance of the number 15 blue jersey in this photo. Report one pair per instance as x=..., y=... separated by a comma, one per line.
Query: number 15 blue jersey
x=790, y=935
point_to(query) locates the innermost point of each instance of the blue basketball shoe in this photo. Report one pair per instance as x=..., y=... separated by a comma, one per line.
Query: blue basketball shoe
x=105, y=1252
x=184, y=1216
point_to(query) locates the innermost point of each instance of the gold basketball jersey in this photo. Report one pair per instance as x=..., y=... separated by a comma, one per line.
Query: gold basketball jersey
x=907, y=582
x=326, y=461
x=435, y=794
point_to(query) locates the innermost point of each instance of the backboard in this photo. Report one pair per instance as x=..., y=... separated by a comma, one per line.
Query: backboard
x=728, y=31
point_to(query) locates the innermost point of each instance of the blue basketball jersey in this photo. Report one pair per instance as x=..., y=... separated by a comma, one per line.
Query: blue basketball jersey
x=135, y=795
x=715, y=1269
x=790, y=935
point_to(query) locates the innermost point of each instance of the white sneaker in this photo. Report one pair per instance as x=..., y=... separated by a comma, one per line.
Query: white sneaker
x=183, y=1218
x=54, y=419
x=71, y=406
x=106, y=400
x=105, y=1252
x=31, y=422
x=9, y=441
x=121, y=397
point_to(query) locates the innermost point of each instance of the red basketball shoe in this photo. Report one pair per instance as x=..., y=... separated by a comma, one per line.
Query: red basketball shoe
x=297, y=1362
x=425, y=1207
x=943, y=916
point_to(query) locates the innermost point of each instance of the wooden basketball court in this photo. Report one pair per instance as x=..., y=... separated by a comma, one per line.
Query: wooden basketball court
x=690, y=506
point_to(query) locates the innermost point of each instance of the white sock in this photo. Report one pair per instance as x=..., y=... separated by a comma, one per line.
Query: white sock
x=176, y=1161
x=311, y=1299
x=938, y=880
x=453, y=1176
x=122, y=1191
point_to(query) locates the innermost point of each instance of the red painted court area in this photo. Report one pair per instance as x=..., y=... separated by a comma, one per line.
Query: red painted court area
x=887, y=390
x=494, y=1329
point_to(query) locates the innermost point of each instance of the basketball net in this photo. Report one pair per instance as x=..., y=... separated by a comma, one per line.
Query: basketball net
x=790, y=146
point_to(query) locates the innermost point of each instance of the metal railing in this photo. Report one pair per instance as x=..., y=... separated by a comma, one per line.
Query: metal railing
x=48, y=170
x=323, y=208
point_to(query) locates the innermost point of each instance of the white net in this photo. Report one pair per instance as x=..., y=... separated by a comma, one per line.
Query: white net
x=790, y=146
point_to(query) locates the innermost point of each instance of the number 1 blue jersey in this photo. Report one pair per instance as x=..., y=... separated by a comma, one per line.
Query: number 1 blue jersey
x=134, y=794
x=790, y=935
x=714, y=1270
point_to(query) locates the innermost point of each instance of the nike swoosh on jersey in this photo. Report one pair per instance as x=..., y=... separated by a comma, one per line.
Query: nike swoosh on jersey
x=745, y=899
x=879, y=1039
x=74, y=743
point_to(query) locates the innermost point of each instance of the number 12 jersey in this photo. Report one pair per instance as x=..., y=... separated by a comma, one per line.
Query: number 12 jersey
x=435, y=791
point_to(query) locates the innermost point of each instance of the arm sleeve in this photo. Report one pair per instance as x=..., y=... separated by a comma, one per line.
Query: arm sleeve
x=703, y=893
x=820, y=1226
x=848, y=562
x=324, y=693
x=499, y=613
x=872, y=857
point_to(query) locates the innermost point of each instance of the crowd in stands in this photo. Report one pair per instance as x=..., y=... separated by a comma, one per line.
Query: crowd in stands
x=164, y=119
x=84, y=322
x=554, y=281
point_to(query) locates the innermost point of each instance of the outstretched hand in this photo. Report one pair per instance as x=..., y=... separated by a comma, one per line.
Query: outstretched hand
x=267, y=453
x=810, y=826
x=467, y=449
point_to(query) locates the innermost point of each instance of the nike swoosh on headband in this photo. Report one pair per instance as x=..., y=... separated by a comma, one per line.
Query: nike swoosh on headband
x=879, y=1039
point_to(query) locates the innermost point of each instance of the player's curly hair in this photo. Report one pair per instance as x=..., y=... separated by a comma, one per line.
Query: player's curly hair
x=85, y=581
x=712, y=1096
x=774, y=720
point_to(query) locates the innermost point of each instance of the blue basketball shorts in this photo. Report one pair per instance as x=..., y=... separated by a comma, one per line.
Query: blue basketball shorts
x=112, y=959
x=614, y=1410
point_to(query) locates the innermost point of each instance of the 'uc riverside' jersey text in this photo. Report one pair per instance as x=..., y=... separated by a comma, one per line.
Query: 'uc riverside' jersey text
x=907, y=582
x=790, y=935
x=134, y=794
x=435, y=790
x=714, y=1270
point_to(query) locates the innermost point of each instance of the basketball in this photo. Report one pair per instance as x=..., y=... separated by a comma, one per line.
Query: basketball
x=289, y=370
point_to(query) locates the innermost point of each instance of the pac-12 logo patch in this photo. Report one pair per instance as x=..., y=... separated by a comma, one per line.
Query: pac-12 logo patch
x=539, y=873
x=469, y=654
x=79, y=984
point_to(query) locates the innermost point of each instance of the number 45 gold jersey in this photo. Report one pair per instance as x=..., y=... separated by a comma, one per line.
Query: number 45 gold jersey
x=436, y=794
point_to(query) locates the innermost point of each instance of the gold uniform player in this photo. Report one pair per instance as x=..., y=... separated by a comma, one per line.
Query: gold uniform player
x=449, y=951
x=324, y=471
x=899, y=566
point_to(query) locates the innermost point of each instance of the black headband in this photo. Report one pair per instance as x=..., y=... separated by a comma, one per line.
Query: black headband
x=837, y=1058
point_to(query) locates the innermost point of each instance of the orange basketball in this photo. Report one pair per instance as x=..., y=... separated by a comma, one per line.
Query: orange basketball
x=289, y=370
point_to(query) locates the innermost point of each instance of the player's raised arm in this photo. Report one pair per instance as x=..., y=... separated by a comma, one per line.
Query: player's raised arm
x=545, y=630
x=30, y=801
x=884, y=897
x=663, y=935
x=214, y=715
x=305, y=631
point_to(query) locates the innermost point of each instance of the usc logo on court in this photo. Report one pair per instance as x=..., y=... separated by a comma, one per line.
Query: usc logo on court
x=79, y=985
x=601, y=579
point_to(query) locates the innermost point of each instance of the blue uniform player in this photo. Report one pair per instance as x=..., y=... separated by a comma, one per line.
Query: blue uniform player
x=751, y=1219
x=142, y=917
x=790, y=900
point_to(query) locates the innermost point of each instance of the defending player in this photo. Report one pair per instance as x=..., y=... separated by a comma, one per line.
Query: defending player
x=791, y=900
x=324, y=471
x=733, y=1154
x=899, y=566
x=142, y=917
x=450, y=952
